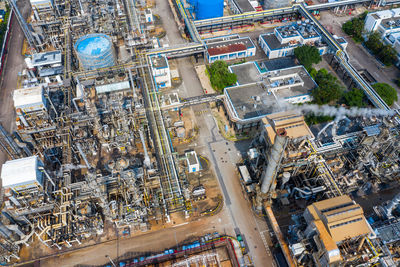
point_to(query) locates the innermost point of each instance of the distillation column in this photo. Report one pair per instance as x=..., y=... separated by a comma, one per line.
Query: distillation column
x=274, y=159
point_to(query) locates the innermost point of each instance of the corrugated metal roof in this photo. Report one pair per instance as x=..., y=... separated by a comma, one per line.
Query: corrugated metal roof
x=28, y=96
x=226, y=49
x=113, y=87
x=372, y=130
x=19, y=171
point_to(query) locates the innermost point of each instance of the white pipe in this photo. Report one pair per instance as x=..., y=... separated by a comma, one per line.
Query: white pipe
x=146, y=161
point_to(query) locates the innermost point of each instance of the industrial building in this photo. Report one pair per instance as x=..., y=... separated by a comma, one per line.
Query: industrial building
x=387, y=24
x=290, y=164
x=160, y=71
x=246, y=73
x=247, y=104
x=336, y=226
x=384, y=22
x=285, y=39
x=229, y=48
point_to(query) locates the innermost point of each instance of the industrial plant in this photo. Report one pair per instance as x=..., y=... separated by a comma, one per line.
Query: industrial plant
x=116, y=128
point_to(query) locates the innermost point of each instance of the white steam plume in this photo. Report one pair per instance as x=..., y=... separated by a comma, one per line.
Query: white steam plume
x=338, y=112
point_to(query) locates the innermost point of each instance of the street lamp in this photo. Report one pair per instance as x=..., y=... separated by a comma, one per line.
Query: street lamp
x=113, y=264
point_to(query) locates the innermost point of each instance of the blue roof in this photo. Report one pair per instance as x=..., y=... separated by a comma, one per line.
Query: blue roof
x=93, y=44
x=372, y=130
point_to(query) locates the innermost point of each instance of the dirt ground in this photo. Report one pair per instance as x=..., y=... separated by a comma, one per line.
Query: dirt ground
x=226, y=130
x=188, y=124
x=204, y=80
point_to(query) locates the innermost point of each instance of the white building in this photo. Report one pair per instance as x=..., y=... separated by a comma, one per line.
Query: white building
x=29, y=99
x=22, y=174
x=47, y=63
x=251, y=101
x=41, y=4
x=229, y=47
x=192, y=161
x=387, y=24
x=161, y=71
x=285, y=39
x=384, y=22
x=149, y=16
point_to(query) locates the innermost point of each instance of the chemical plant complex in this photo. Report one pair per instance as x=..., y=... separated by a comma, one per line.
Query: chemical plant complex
x=191, y=133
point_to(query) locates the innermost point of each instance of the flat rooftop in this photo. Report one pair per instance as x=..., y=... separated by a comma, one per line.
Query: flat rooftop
x=393, y=22
x=246, y=73
x=244, y=5
x=287, y=31
x=192, y=157
x=251, y=100
x=307, y=31
x=389, y=233
x=272, y=41
x=229, y=46
x=278, y=63
x=159, y=62
x=290, y=82
x=46, y=58
x=222, y=38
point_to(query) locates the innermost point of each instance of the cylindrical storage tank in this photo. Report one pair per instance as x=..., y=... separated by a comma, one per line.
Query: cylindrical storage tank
x=95, y=51
x=207, y=9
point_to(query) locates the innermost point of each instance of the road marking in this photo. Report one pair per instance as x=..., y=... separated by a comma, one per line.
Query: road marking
x=264, y=240
x=180, y=224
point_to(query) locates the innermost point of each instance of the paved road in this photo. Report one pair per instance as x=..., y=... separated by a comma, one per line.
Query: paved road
x=167, y=18
x=359, y=57
x=224, y=155
x=14, y=64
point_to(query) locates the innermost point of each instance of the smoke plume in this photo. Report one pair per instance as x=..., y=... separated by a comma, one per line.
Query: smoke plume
x=337, y=112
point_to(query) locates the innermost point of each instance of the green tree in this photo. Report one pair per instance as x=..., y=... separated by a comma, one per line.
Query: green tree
x=347, y=27
x=387, y=55
x=355, y=27
x=328, y=89
x=314, y=119
x=354, y=98
x=398, y=82
x=374, y=42
x=307, y=55
x=386, y=92
x=220, y=76
x=313, y=73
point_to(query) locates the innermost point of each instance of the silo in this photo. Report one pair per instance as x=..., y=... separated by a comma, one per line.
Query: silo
x=95, y=51
x=206, y=9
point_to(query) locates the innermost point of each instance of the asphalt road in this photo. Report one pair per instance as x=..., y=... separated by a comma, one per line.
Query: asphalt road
x=224, y=155
x=14, y=63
